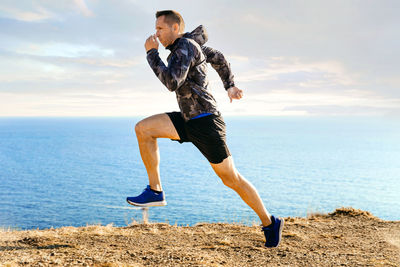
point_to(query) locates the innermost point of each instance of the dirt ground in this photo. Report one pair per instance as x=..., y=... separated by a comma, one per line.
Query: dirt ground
x=346, y=237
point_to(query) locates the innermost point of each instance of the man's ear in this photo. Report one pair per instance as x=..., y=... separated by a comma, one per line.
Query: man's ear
x=176, y=27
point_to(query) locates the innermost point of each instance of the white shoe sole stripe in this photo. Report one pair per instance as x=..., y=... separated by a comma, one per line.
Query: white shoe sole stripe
x=280, y=231
x=150, y=204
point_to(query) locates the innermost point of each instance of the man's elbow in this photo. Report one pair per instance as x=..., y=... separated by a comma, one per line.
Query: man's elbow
x=172, y=86
x=175, y=82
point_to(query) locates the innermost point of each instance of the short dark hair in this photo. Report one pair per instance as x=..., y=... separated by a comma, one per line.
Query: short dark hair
x=171, y=17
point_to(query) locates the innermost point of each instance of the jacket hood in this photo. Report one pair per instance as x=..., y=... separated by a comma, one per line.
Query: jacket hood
x=199, y=34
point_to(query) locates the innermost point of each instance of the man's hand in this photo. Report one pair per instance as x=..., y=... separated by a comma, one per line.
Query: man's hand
x=235, y=93
x=151, y=43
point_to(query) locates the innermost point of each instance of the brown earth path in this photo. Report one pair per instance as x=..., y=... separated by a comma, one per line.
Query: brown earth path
x=346, y=237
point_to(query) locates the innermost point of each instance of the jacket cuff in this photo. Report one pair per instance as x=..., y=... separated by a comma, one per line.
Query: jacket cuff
x=151, y=56
x=229, y=85
x=151, y=50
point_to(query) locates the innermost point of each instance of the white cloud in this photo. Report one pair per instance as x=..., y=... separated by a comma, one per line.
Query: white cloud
x=116, y=103
x=42, y=10
x=38, y=14
x=237, y=58
x=290, y=60
x=64, y=50
x=275, y=66
x=81, y=4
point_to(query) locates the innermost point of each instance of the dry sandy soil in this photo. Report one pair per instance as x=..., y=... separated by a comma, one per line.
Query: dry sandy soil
x=346, y=237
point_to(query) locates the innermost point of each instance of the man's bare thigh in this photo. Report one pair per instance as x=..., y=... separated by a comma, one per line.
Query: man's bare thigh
x=158, y=126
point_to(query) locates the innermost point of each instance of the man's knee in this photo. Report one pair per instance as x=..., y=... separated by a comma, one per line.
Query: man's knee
x=141, y=129
x=231, y=179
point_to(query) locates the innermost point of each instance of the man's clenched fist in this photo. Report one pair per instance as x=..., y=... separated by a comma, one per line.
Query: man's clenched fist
x=235, y=93
x=151, y=43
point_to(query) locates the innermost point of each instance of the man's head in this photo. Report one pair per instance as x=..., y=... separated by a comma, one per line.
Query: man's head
x=169, y=26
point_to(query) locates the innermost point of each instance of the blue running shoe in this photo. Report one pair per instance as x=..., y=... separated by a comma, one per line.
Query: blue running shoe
x=273, y=232
x=148, y=198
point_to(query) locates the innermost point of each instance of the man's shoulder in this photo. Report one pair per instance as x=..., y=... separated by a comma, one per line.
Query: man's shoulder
x=187, y=47
x=188, y=43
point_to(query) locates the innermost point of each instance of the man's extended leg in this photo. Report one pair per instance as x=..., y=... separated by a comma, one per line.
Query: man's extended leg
x=233, y=179
x=147, y=132
x=272, y=226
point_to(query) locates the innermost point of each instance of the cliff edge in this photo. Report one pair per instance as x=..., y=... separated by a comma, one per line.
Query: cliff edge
x=344, y=237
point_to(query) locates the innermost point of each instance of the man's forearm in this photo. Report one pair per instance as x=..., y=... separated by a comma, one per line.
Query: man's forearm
x=175, y=74
x=221, y=65
x=160, y=70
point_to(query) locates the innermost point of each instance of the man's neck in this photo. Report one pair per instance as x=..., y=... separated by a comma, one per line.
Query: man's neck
x=177, y=37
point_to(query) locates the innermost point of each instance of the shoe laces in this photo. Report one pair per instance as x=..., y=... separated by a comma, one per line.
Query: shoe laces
x=146, y=189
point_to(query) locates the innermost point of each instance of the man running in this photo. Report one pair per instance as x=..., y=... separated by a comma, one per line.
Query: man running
x=198, y=121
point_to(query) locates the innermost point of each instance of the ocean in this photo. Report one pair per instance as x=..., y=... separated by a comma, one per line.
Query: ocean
x=77, y=171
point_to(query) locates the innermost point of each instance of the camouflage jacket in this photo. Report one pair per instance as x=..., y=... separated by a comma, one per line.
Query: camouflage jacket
x=186, y=73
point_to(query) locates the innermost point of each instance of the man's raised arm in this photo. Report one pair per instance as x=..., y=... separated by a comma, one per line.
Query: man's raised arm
x=173, y=75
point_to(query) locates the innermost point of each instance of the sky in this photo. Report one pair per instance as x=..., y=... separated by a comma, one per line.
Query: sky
x=291, y=58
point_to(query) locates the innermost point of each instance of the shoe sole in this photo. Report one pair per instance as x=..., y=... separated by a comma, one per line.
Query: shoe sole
x=150, y=204
x=280, y=231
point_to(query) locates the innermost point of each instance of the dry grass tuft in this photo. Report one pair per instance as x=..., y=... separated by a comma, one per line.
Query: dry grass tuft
x=351, y=212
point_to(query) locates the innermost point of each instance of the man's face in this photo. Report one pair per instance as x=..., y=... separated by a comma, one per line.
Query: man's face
x=164, y=32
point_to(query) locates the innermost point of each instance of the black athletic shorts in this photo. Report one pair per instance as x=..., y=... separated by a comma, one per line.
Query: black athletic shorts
x=206, y=133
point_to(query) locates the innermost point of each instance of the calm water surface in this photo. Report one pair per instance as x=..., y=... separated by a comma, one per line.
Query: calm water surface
x=76, y=171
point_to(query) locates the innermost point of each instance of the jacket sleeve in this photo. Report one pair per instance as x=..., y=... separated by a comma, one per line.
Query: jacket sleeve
x=179, y=63
x=219, y=63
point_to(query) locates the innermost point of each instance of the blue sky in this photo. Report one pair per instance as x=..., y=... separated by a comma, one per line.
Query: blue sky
x=291, y=58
